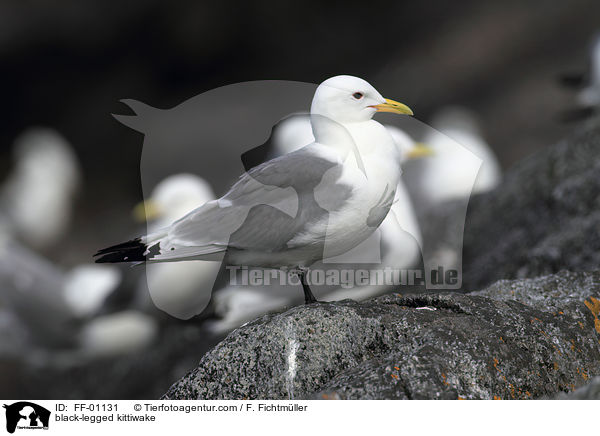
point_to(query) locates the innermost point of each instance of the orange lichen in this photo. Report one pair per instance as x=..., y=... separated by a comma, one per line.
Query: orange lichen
x=461, y=398
x=582, y=373
x=555, y=366
x=497, y=397
x=501, y=340
x=594, y=306
x=511, y=387
x=496, y=364
x=394, y=376
x=396, y=368
x=561, y=312
x=444, y=381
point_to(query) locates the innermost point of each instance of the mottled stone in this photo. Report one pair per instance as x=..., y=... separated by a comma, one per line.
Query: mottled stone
x=400, y=347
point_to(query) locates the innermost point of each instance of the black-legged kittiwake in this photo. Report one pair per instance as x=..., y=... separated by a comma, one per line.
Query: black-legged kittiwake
x=458, y=152
x=317, y=202
x=38, y=194
x=181, y=289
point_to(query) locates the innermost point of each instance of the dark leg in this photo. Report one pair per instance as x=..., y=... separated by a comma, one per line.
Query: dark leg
x=308, y=296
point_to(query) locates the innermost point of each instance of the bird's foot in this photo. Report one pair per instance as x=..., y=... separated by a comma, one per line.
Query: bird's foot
x=309, y=298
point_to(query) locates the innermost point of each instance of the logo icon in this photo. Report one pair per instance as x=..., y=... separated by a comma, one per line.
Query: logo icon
x=26, y=415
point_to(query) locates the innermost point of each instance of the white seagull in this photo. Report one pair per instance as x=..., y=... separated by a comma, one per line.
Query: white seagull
x=315, y=203
x=181, y=289
x=459, y=152
x=39, y=193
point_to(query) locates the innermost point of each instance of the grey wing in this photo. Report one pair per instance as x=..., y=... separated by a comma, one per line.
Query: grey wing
x=267, y=207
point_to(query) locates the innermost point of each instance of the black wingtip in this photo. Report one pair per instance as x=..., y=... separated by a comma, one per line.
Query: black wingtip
x=130, y=251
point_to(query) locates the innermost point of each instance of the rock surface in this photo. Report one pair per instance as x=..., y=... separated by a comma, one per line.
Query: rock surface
x=544, y=217
x=566, y=293
x=415, y=346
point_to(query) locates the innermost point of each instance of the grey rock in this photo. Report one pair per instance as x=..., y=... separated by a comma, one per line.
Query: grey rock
x=544, y=217
x=399, y=347
x=564, y=294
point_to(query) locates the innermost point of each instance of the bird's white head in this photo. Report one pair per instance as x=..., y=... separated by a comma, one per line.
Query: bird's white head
x=175, y=196
x=349, y=99
x=409, y=149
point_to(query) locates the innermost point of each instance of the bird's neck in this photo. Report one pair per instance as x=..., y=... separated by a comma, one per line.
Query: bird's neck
x=332, y=134
x=371, y=137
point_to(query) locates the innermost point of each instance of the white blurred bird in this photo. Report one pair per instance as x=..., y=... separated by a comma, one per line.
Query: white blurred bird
x=459, y=151
x=180, y=289
x=590, y=95
x=86, y=287
x=588, y=83
x=173, y=198
x=39, y=193
x=116, y=334
x=236, y=305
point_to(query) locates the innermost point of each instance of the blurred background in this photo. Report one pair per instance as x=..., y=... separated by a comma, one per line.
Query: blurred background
x=66, y=65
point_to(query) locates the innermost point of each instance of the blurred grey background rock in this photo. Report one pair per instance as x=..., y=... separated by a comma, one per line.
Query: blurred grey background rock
x=544, y=217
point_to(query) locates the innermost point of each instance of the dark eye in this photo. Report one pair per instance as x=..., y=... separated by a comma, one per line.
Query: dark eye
x=357, y=95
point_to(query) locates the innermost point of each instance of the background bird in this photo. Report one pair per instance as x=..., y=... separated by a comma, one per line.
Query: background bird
x=38, y=194
x=588, y=85
x=462, y=163
x=181, y=289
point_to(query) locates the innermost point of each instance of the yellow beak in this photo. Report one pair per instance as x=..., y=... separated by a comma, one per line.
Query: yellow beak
x=393, y=107
x=146, y=210
x=420, y=150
